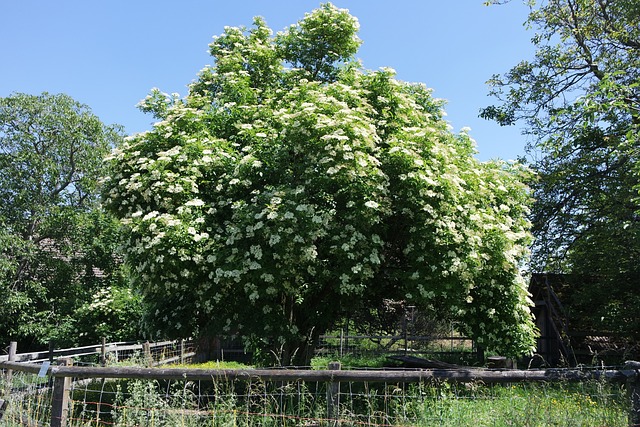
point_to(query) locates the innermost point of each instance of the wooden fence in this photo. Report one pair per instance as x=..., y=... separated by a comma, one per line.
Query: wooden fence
x=153, y=353
x=63, y=373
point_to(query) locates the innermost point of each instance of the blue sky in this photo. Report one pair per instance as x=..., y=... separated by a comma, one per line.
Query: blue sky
x=108, y=54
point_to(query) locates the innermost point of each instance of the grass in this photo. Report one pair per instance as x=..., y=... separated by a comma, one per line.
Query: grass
x=239, y=403
x=146, y=403
x=589, y=403
x=444, y=404
x=215, y=364
x=350, y=361
x=558, y=404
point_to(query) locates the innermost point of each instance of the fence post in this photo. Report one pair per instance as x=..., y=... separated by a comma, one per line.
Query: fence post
x=182, y=351
x=405, y=332
x=103, y=352
x=52, y=347
x=480, y=353
x=333, y=397
x=60, y=403
x=346, y=337
x=633, y=390
x=146, y=349
x=13, y=350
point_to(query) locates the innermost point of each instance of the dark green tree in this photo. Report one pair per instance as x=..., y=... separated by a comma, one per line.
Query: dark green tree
x=57, y=247
x=579, y=99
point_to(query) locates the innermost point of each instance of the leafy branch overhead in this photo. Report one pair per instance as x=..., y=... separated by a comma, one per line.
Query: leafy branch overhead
x=579, y=101
x=291, y=186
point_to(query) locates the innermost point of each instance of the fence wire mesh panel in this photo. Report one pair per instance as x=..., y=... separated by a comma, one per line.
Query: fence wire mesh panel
x=196, y=403
x=25, y=399
x=162, y=352
x=153, y=353
x=255, y=402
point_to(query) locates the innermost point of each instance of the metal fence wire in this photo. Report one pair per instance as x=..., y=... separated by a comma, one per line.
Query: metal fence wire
x=251, y=400
x=152, y=353
x=26, y=399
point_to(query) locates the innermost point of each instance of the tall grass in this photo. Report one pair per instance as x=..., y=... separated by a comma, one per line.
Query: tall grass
x=559, y=404
x=253, y=402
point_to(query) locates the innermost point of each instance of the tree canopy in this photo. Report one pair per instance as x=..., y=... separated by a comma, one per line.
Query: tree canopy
x=579, y=99
x=56, y=246
x=291, y=186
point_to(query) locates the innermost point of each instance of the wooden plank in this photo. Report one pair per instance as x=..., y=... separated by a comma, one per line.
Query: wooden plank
x=419, y=362
x=162, y=343
x=68, y=352
x=41, y=356
x=390, y=376
x=32, y=368
x=173, y=359
x=395, y=337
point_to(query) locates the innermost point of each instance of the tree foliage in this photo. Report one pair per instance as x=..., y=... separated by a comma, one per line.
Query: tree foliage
x=291, y=187
x=580, y=101
x=56, y=246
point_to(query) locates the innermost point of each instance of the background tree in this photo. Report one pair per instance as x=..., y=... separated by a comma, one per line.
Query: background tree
x=580, y=101
x=272, y=201
x=57, y=247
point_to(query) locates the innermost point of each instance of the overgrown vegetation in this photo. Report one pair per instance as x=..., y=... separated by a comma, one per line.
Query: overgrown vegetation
x=253, y=402
x=159, y=403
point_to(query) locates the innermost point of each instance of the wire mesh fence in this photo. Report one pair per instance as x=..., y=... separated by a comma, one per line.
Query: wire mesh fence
x=173, y=403
x=152, y=353
x=26, y=398
x=174, y=397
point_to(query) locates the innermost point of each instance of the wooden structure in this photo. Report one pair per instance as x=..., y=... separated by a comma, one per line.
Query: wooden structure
x=566, y=339
x=554, y=344
x=157, y=353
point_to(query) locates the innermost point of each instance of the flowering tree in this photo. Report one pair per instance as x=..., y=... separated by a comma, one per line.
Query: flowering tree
x=291, y=186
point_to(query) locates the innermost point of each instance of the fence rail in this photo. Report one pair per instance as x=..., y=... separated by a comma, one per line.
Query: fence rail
x=328, y=375
x=161, y=352
x=181, y=393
